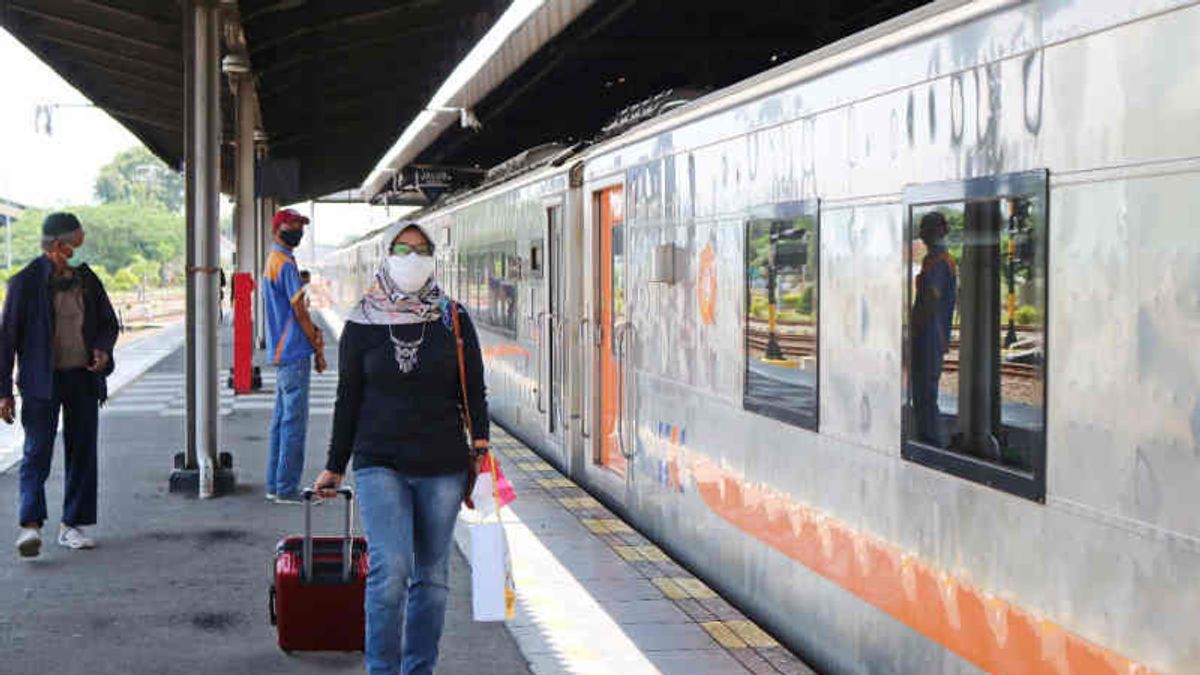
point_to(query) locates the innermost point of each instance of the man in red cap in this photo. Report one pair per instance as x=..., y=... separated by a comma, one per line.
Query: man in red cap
x=293, y=343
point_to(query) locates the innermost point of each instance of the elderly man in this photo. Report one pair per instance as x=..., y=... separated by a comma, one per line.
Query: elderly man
x=59, y=322
x=293, y=343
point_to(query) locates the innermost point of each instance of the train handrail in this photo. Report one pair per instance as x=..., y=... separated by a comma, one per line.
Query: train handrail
x=556, y=352
x=622, y=334
x=619, y=349
x=590, y=364
x=543, y=354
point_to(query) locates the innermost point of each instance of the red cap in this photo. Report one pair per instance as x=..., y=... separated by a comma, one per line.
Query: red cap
x=284, y=216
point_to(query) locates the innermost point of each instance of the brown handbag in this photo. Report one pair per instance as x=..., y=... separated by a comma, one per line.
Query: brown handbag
x=472, y=474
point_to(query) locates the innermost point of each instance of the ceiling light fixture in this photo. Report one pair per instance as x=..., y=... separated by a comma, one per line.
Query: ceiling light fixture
x=513, y=18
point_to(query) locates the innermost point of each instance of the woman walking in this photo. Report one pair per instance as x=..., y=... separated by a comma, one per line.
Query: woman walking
x=398, y=413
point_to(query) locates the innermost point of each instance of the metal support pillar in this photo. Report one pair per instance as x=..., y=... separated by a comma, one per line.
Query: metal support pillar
x=266, y=240
x=247, y=244
x=213, y=470
x=979, y=343
x=185, y=463
x=246, y=225
x=261, y=223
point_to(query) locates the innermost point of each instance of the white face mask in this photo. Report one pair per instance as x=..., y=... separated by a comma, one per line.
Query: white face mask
x=410, y=272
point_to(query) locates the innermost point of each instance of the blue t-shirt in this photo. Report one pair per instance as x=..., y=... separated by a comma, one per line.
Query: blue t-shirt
x=286, y=341
x=937, y=283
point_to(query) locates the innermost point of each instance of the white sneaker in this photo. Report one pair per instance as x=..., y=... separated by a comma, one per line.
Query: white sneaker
x=270, y=496
x=29, y=543
x=72, y=537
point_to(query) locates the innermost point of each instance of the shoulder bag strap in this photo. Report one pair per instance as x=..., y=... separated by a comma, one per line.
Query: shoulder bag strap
x=462, y=370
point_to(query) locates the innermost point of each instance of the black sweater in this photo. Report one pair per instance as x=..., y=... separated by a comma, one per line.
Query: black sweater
x=410, y=422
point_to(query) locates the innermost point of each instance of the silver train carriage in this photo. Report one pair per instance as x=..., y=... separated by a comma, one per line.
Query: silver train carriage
x=894, y=345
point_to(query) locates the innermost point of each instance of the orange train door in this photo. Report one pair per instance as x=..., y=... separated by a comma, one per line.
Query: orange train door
x=610, y=207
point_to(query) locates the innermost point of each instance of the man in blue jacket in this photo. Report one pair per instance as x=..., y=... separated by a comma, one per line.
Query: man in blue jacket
x=59, y=322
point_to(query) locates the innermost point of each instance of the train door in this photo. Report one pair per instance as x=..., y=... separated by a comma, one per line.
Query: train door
x=552, y=369
x=610, y=217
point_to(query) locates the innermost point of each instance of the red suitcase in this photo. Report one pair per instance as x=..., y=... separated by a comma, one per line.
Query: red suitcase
x=316, y=600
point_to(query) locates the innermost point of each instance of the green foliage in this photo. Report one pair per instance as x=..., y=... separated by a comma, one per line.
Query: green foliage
x=758, y=306
x=124, y=280
x=137, y=176
x=1028, y=315
x=799, y=303
x=117, y=235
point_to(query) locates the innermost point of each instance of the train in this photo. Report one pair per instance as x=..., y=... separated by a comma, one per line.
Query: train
x=894, y=345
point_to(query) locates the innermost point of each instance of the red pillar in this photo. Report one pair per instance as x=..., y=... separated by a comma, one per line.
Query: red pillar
x=243, y=332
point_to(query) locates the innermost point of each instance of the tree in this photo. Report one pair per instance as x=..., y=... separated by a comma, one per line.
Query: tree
x=135, y=175
x=117, y=235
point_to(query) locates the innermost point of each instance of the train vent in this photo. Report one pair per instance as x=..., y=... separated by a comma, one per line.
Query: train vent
x=525, y=160
x=661, y=103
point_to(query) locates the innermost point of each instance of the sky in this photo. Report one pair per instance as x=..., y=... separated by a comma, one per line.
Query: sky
x=60, y=170
x=45, y=171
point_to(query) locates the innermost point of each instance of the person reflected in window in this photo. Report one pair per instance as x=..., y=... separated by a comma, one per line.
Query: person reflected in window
x=932, y=314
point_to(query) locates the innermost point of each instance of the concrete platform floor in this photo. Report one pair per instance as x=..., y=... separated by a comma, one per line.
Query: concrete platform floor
x=179, y=585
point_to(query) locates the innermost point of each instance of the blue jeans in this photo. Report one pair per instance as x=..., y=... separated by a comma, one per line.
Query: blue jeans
x=409, y=524
x=289, y=426
x=75, y=395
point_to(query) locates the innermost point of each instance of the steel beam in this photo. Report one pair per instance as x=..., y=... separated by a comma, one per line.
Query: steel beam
x=156, y=86
x=106, y=53
x=95, y=30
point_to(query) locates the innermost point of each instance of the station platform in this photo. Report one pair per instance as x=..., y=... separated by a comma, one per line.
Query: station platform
x=180, y=585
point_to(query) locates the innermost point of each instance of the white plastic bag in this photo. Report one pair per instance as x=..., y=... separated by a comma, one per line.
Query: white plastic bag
x=493, y=596
x=483, y=495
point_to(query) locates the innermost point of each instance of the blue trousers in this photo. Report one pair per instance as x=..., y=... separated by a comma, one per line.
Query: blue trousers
x=409, y=525
x=289, y=427
x=927, y=363
x=75, y=395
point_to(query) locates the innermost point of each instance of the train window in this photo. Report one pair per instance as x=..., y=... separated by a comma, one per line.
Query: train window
x=975, y=330
x=491, y=288
x=781, y=314
x=535, y=259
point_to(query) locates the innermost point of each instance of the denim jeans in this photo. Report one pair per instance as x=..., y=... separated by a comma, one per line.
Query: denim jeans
x=75, y=395
x=289, y=426
x=409, y=525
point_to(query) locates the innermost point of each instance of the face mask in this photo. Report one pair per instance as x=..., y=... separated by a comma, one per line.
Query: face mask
x=410, y=272
x=291, y=237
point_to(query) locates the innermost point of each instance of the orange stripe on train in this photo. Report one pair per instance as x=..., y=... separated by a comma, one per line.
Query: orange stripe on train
x=990, y=632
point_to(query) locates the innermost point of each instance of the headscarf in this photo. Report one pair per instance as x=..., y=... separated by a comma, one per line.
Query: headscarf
x=384, y=304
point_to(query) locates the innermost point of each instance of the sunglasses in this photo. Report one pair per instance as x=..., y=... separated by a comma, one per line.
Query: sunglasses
x=402, y=249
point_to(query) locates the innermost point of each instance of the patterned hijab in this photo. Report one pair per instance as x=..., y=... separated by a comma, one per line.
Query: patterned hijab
x=386, y=305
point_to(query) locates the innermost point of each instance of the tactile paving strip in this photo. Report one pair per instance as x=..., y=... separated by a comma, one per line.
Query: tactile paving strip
x=749, y=644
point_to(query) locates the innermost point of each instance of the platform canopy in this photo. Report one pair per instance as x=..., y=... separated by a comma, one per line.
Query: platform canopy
x=619, y=53
x=357, y=90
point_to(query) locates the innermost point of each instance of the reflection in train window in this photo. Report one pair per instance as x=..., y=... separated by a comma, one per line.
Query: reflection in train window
x=975, y=327
x=535, y=259
x=491, y=286
x=781, y=316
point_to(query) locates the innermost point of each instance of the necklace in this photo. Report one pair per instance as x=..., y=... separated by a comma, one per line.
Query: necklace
x=406, y=351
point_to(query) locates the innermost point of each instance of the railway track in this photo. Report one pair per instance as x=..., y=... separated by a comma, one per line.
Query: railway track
x=796, y=345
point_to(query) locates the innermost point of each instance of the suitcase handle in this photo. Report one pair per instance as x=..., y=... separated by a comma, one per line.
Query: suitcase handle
x=271, y=604
x=348, y=545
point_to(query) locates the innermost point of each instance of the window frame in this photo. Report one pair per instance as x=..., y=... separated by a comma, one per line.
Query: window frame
x=788, y=210
x=1036, y=183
